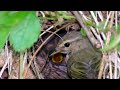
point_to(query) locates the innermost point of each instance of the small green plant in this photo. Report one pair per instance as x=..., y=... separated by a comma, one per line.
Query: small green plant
x=21, y=28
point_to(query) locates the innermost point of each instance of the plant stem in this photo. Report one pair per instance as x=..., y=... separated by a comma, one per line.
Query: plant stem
x=21, y=65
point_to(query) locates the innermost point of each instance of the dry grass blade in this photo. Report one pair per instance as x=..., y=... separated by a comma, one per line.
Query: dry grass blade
x=116, y=56
x=102, y=66
x=7, y=57
x=110, y=69
x=55, y=34
x=100, y=15
x=110, y=26
x=94, y=17
x=6, y=63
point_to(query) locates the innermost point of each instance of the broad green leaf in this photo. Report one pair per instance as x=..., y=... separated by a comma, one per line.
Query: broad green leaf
x=4, y=32
x=26, y=32
x=7, y=20
x=11, y=18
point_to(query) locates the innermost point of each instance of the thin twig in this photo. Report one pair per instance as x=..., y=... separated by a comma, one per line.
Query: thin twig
x=55, y=34
x=49, y=29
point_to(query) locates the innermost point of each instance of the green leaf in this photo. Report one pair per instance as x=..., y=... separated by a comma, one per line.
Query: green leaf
x=4, y=32
x=25, y=32
x=89, y=23
x=11, y=18
x=7, y=20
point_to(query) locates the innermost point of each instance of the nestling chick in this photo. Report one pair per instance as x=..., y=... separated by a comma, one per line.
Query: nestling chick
x=84, y=59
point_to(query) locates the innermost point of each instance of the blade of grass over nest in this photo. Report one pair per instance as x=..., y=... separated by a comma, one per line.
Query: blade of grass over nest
x=54, y=25
x=87, y=21
x=108, y=17
x=94, y=17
